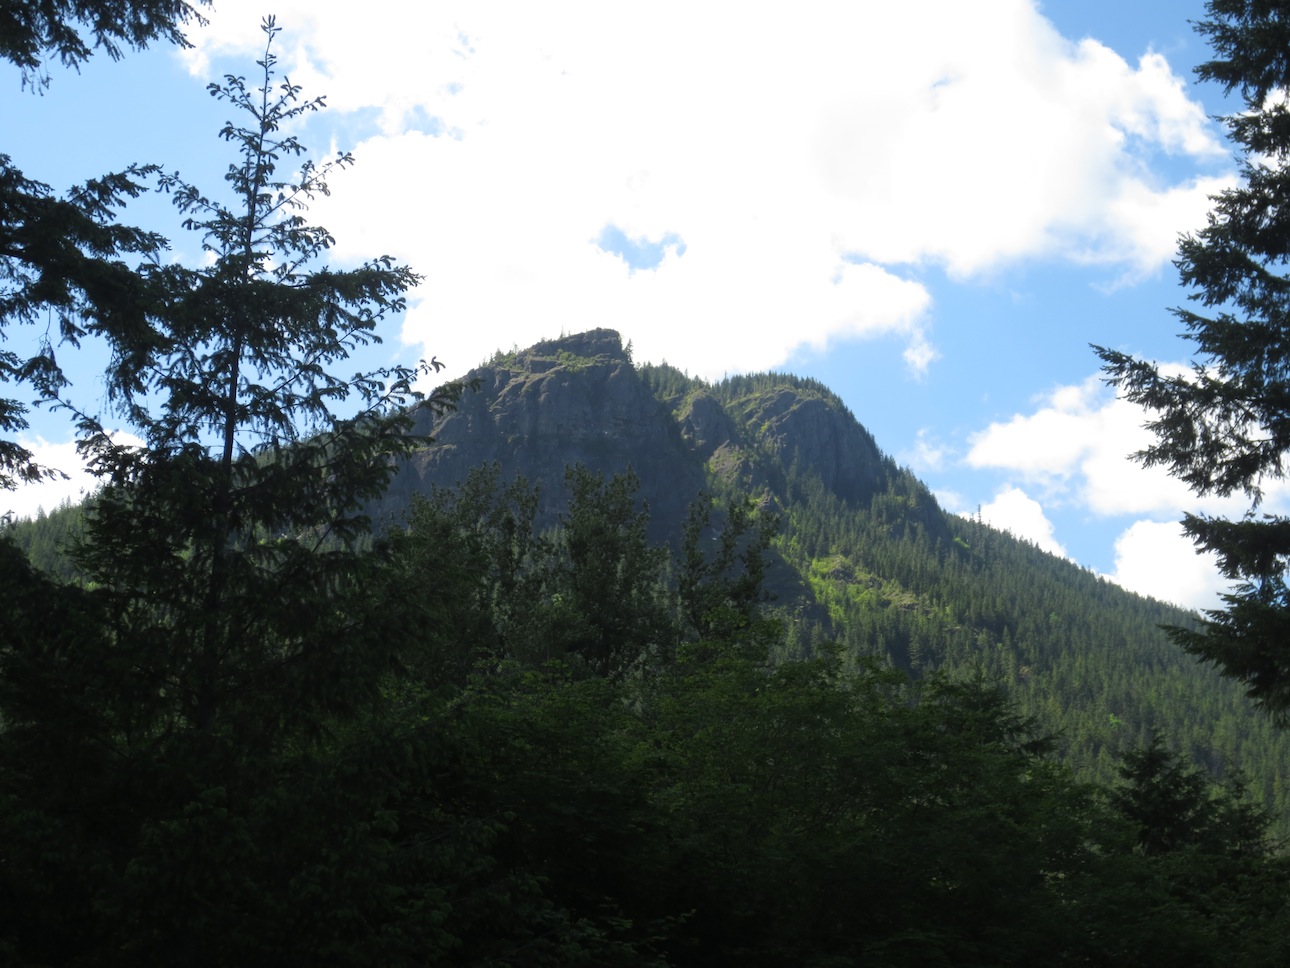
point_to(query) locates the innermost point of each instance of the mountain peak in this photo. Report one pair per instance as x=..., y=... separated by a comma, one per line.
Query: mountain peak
x=573, y=400
x=580, y=399
x=599, y=345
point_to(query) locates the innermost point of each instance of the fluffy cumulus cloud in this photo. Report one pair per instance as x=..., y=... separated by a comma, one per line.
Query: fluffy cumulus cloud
x=808, y=162
x=1015, y=511
x=1072, y=452
x=927, y=455
x=1075, y=448
x=1156, y=559
x=28, y=500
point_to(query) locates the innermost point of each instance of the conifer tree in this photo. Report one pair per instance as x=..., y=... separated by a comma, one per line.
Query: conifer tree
x=61, y=259
x=71, y=30
x=230, y=541
x=165, y=721
x=1224, y=427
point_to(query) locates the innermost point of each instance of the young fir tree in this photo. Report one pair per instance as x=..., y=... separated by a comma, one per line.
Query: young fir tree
x=229, y=544
x=1225, y=426
x=169, y=728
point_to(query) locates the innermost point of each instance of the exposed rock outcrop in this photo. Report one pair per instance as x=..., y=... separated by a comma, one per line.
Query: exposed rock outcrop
x=821, y=437
x=573, y=400
x=579, y=399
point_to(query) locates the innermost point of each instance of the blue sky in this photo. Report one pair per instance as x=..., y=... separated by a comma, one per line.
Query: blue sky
x=933, y=207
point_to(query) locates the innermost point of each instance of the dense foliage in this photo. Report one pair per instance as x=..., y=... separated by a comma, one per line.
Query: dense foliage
x=886, y=574
x=509, y=797
x=237, y=729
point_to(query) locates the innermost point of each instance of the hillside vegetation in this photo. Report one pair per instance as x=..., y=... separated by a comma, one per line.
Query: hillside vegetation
x=811, y=721
x=862, y=556
x=569, y=664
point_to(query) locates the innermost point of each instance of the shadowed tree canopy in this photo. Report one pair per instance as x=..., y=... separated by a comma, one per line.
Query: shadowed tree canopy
x=61, y=262
x=231, y=537
x=1224, y=426
x=32, y=31
x=61, y=258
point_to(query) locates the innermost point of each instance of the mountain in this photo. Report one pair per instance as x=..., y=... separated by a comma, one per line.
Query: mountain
x=865, y=556
x=580, y=400
x=486, y=744
x=561, y=402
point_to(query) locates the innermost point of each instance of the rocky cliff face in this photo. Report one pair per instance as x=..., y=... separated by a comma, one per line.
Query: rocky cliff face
x=573, y=400
x=801, y=428
x=579, y=399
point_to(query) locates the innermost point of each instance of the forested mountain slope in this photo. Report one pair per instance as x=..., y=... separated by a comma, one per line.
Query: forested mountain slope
x=866, y=557
x=529, y=733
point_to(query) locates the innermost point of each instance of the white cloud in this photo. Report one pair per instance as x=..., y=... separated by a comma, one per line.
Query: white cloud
x=953, y=502
x=1046, y=446
x=808, y=161
x=1074, y=451
x=927, y=455
x=1158, y=108
x=1076, y=448
x=1142, y=217
x=1015, y=511
x=1156, y=559
x=27, y=500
